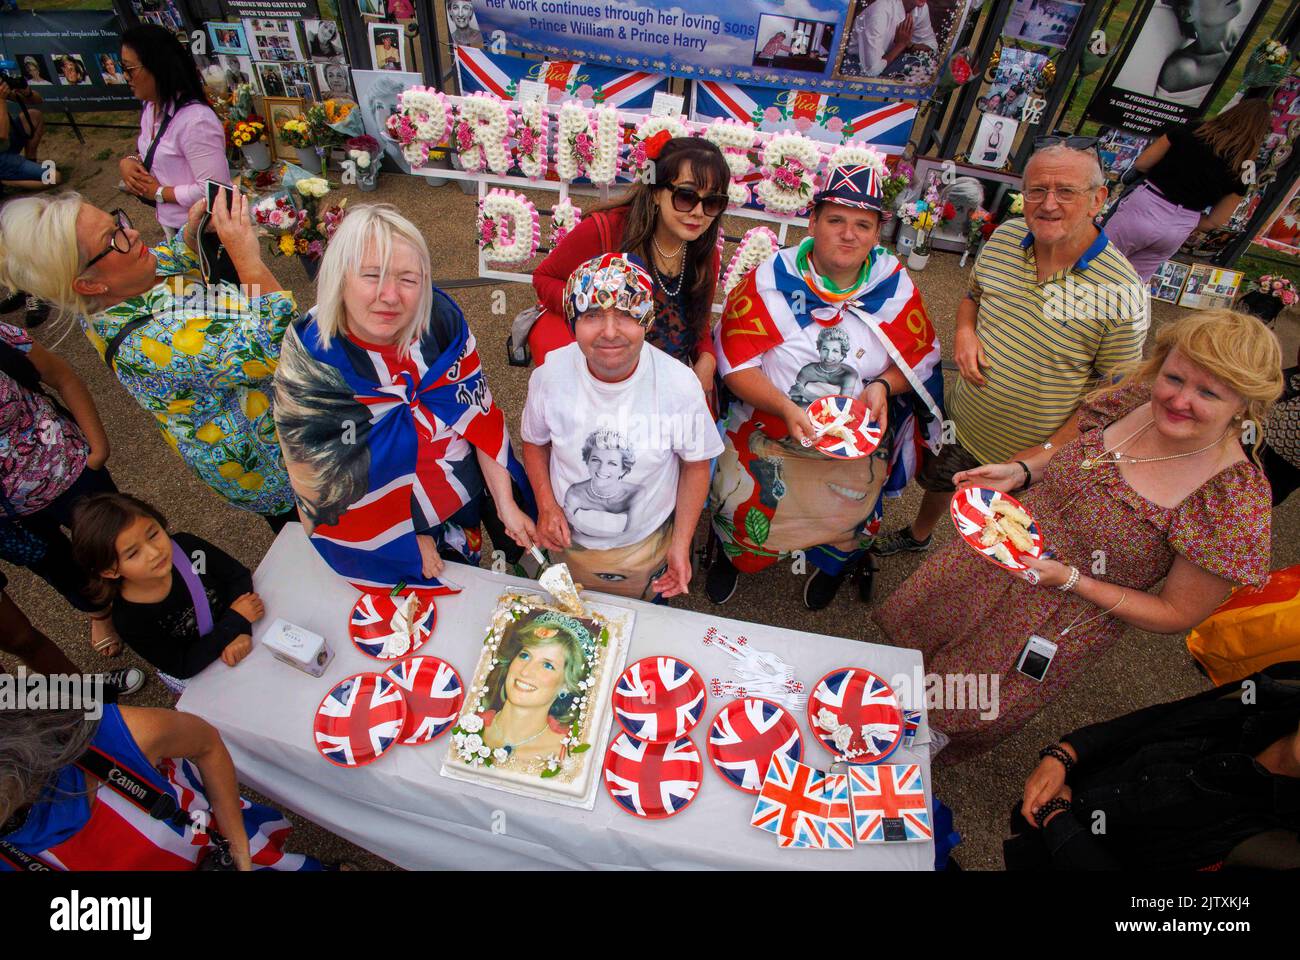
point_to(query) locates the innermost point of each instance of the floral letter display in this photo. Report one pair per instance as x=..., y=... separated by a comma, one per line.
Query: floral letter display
x=536, y=716
x=419, y=124
x=757, y=245
x=509, y=229
x=530, y=134
x=587, y=143
x=482, y=131
x=790, y=163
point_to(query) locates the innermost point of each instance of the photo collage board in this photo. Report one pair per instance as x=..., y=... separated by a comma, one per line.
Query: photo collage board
x=278, y=56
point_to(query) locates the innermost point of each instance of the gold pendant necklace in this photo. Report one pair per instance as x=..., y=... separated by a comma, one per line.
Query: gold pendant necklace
x=1113, y=455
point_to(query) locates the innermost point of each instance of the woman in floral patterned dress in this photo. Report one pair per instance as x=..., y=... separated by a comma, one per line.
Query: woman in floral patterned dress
x=1183, y=504
x=199, y=357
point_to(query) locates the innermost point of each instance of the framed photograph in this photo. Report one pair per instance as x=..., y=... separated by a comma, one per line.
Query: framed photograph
x=110, y=69
x=35, y=68
x=936, y=25
x=228, y=38
x=789, y=43
x=377, y=92
x=1209, y=286
x=333, y=80
x=575, y=653
x=273, y=40
x=463, y=24
x=1119, y=149
x=972, y=189
x=71, y=70
x=1048, y=22
x=1167, y=282
x=271, y=80
x=388, y=52
x=324, y=42
x=278, y=110
x=993, y=140
x=297, y=78
x=1019, y=73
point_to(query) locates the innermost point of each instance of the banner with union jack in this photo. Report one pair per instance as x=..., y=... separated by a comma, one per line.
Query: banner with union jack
x=500, y=73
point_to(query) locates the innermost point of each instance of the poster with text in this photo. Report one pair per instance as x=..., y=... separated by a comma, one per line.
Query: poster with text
x=71, y=58
x=500, y=74
x=834, y=46
x=1173, y=63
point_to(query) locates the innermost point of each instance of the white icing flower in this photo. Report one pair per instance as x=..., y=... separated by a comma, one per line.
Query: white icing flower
x=484, y=752
x=500, y=754
x=471, y=723
x=825, y=719
x=552, y=763
x=473, y=742
x=842, y=737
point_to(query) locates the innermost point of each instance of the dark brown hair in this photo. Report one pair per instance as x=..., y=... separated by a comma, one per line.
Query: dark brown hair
x=1237, y=134
x=97, y=522
x=712, y=175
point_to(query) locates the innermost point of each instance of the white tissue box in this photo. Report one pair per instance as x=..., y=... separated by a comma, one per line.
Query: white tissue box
x=298, y=647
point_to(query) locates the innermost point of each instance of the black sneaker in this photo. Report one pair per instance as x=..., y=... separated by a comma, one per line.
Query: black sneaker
x=720, y=584
x=38, y=311
x=124, y=682
x=820, y=589
x=13, y=301
x=865, y=574
x=898, y=541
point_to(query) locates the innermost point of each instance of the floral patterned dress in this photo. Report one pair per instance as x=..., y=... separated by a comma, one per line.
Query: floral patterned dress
x=203, y=365
x=969, y=617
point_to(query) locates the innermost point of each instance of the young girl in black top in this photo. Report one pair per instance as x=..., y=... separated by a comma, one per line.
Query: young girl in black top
x=179, y=602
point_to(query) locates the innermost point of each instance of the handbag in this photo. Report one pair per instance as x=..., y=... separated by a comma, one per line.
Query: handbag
x=1254, y=628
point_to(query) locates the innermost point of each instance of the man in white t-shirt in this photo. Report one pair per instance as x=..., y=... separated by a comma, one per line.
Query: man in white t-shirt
x=617, y=441
x=887, y=30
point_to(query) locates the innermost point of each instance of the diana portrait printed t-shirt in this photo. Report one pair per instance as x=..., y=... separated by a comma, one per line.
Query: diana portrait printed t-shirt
x=615, y=446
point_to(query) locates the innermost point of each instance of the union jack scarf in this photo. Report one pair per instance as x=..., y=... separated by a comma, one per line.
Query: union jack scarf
x=760, y=314
x=411, y=418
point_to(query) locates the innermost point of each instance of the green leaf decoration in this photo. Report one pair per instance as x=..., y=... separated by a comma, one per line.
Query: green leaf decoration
x=547, y=774
x=731, y=550
x=581, y=748
x=757, y=526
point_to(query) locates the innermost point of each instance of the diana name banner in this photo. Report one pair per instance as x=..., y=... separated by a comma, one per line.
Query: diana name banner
x=500, y=74
x=832, y=46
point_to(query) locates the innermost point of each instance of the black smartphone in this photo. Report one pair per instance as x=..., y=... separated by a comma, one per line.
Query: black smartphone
x=215, y=189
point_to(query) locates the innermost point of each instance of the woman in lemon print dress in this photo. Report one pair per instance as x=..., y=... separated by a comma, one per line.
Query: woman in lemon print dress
x=199, y=357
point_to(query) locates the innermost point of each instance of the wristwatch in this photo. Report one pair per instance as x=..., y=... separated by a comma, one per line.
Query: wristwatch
x=158, y=196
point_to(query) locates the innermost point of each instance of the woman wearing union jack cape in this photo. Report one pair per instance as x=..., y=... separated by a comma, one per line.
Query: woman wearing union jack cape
x=389, y=431
x=837, y=314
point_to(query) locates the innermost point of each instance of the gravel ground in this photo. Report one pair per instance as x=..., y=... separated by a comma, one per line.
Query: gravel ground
x=1142, y=670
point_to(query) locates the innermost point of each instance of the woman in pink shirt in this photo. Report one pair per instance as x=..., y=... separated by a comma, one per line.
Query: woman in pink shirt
x=179, y=129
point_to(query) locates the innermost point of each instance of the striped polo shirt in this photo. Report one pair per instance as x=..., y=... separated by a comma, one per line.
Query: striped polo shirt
x=1045, y=344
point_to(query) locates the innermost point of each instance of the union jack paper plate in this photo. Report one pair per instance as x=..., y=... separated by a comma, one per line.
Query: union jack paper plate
x=370, y=630
x=652, y=780
x=359, y=720
x=889, y=804
x=971, y=509
x=857, y=698
x=433, y=694
x=850, y=413
x=745, y=735
x=659, y=699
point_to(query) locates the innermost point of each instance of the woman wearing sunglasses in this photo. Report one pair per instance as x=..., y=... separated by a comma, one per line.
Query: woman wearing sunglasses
x=672, y=224
x=197, y=356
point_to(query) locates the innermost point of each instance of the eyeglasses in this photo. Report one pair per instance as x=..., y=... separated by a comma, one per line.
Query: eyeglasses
x=123, y=225
x=1074, y=143
x=685, y=200
x=1064, y=195
x=132, y=68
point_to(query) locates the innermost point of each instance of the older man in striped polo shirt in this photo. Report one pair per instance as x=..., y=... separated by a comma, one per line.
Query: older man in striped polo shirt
x=1053, y=308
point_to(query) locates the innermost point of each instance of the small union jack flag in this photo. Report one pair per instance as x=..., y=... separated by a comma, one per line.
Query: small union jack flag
x=792, y=803
x=369, y=626
x=359, y=720
x=971, y=509
x=652, y=780
x=744, y=736
x=659, y=699
x=433, y=694
x=866, y=703
x=889, y=803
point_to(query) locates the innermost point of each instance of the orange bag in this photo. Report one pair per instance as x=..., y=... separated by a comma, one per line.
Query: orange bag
x=1255, y=628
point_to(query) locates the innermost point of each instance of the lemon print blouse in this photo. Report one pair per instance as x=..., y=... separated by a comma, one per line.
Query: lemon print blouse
x=203, y=365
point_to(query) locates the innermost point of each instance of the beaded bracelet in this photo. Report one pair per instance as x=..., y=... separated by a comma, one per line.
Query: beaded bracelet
x=1049, y=808
x=1071, y=582
x=1029, y=477
x=1057, y=752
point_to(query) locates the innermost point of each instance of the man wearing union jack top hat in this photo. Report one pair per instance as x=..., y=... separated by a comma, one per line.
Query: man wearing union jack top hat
x=835, y=316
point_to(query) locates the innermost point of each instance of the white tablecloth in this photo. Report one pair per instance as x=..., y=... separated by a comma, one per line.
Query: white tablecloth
x=400, y=808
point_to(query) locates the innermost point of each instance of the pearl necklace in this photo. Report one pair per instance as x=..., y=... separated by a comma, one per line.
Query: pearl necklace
x=1113, y=455
x=681, y=266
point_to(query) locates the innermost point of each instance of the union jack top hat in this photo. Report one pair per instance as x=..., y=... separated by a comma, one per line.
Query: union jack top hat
x=853, y=186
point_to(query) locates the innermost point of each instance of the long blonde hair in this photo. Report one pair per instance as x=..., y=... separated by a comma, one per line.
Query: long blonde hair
x=377, y=225
x=39, y=253
x=1234, y=347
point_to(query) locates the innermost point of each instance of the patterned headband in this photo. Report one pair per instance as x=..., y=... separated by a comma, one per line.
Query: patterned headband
x=570, y=626
x=611, y=280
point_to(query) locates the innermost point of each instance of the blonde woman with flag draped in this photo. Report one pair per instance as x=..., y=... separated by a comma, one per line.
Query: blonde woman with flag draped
x=773, y=493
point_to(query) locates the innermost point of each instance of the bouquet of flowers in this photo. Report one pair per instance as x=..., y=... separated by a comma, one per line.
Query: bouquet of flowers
x=312, y=227
x=243, y=132
x=893, y=186
x=276, y=213
x=978, y=227
x=1279, y=288
x=1267, y=65
x=925, y=216
x=1266, y=296
x=363, y=153
x=296, y=133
